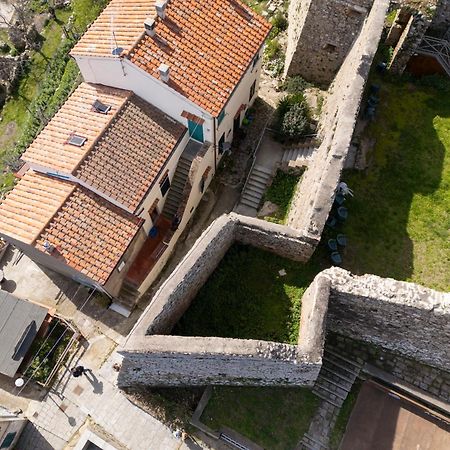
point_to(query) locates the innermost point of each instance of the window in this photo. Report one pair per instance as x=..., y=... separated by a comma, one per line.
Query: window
x=165, y=184
x=9, y=439
x=221, y=116
x=255, y=60
x=100, y=107
x=331, y=48
x=252, y=91
x=121, y=266
x=77, y=140
x=153, y=211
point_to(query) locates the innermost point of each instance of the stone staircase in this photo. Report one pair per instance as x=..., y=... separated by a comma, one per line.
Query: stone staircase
x=126, y=300
x=255, y=186
x=300, y=155
x=333, y=385
x=180, y=177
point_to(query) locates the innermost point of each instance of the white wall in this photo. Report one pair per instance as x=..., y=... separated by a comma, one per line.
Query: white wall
x=240, y=96
x=11, y=425
x=121, y=73
x=194, y=199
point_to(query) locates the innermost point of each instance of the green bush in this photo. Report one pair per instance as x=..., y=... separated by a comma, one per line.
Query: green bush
x=294, y=85
x=279, y=22
x=292, y=117
x=295, y=121
x=272, y=50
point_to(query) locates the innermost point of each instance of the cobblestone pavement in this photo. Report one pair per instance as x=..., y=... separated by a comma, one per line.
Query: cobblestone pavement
x=54, y=421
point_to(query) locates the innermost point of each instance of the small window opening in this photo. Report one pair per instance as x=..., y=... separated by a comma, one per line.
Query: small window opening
x=77, y=140
x=330, y=48
x=101, y=107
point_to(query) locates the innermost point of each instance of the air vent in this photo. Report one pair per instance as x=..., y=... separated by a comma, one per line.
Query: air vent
x=76, y=140
x=100, y=107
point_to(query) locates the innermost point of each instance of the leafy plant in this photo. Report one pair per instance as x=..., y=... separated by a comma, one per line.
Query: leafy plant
x=294, y=85
x=280, y=22
x=272, y=50
x=295, y=121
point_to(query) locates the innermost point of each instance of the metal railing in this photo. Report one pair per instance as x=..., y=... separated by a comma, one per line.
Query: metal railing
x=439, y=48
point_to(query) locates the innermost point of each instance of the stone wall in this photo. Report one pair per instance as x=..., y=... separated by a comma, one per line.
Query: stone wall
x=441, y=20
x=432, y=380
x=320, y=36
x=404, y=318
x=176, y=294
x=409, y=40
x=191, y=361
x=315, y=193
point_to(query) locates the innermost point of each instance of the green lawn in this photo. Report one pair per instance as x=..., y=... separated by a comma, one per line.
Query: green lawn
x=281, y=192
x=275, y=418
x=246, y=298
x=399, y=218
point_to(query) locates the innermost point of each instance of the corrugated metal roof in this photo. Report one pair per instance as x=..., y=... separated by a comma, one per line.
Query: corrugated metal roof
x=20, y=321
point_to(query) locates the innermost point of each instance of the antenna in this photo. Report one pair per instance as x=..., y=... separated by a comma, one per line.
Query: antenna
x=115, y=49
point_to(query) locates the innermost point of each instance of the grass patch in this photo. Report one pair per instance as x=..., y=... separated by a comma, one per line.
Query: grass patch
x=246, y=298
x=275, y=418
x=344, y=415
x=281, y=192
x=399, y=219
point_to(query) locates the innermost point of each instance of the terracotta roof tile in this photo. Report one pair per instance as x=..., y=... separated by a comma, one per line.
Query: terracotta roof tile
x=129, y=155
x=28, y=208
x=50, y=148
x=208, y=44
x=90, y=234
x=124, y=17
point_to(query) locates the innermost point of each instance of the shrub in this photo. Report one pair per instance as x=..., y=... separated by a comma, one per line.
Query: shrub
x=272, y=50
x=295, y=121
x=294, y=85
x=279, y=22
x=292, y=117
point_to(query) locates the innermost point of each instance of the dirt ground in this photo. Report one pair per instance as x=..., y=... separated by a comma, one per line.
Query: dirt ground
x=383, y=420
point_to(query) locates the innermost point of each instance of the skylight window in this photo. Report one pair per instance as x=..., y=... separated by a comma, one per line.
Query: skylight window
x=101, y=107
x=76, y=140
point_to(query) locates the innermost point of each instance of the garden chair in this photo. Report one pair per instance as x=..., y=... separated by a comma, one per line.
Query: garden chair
x=336, y=259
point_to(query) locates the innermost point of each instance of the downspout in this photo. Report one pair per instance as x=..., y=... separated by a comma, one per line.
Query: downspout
x=215, y=145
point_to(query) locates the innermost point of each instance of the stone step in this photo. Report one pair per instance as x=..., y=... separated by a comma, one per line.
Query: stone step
x=326, y=397
x=332, y=388
x=316, y=444
x=349, y=369
x=255, y=187
x=263, y=169
x=259, y=178
x=343, y=386
x=329, y=373
x=249, y=202
x=333, y=352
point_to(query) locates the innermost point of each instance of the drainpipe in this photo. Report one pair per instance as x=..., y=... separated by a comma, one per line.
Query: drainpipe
x=215, y=145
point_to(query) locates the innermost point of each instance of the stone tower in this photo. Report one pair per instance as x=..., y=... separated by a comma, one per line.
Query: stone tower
x=321, y=33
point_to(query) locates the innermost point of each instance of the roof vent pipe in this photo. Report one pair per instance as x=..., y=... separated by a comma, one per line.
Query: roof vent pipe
x=164, y=72
x=150, y=24
x=160, y=6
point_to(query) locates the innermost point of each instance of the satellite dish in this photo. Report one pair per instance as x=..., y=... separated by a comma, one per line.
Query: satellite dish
x=117, y=51
x=19, y=382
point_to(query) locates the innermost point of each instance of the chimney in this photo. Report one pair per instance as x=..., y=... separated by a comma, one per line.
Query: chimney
x=164, y=72
x=150, y=24
x=160, y=6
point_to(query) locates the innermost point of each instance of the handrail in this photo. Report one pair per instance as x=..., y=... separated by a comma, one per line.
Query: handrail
x=439, y=48
x=253, y=155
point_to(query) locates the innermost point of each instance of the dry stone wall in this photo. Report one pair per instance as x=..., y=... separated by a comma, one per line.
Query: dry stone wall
x=315, y=194
x=320, y=36
x=404, y=318
x=193, y=361
x=176, y=294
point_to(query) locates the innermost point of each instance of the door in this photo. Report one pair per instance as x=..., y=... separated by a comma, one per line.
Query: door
x=195, y=131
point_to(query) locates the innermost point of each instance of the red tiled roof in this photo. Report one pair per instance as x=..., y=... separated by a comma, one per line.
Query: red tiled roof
x=124, y=17
x=28, y=208
x=50, y=148
x=90, y=234
x=208, y=45
x=128, y=157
